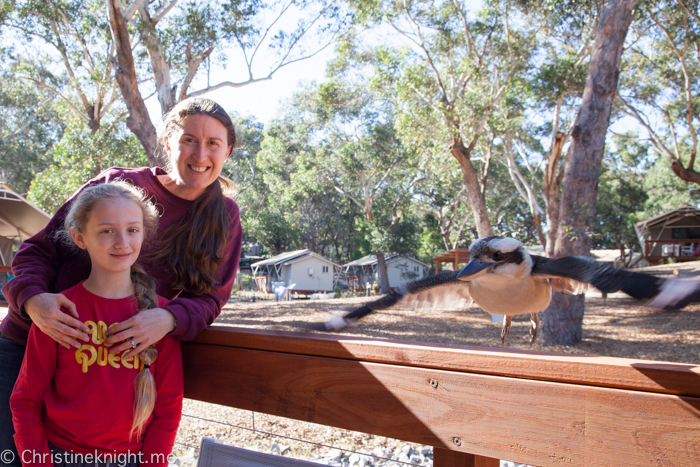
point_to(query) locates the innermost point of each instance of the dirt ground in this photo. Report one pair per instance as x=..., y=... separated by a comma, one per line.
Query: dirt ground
x=616, y=326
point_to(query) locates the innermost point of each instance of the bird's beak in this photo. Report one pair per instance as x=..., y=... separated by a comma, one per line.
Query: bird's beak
x=474, y=269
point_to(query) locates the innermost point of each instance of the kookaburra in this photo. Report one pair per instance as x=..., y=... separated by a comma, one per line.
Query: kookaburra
x=504, y=279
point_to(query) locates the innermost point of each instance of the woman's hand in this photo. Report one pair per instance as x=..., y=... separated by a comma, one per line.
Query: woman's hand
x=143, y=329
x=45, y=311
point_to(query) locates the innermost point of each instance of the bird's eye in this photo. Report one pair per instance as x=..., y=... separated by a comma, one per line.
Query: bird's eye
x=497, y=256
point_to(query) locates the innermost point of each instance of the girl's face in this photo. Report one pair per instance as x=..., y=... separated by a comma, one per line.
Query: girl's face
x=197, y=151
x=112, y=236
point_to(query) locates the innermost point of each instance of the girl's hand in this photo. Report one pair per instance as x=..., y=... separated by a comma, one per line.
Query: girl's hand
x=45, y=311
x=144, y=328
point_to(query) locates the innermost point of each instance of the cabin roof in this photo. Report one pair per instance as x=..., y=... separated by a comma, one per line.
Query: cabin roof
x=290, y=257
x=371, y=260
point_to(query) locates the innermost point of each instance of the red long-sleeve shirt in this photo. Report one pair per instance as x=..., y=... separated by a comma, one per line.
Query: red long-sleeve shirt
x=82, y=401
x=45, y=264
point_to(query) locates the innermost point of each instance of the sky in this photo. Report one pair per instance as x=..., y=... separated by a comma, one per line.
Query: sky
x=262, y=99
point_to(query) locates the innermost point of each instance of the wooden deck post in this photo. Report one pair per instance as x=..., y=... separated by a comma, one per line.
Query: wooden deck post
x=447, y=458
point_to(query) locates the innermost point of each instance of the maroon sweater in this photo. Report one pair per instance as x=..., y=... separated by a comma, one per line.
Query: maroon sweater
x=44, y=264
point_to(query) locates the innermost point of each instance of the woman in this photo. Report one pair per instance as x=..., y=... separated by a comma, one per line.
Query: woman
x=194, y=262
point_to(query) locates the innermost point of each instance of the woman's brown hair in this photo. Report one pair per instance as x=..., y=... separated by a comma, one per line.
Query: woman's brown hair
x=194, y=246
x=144, y=285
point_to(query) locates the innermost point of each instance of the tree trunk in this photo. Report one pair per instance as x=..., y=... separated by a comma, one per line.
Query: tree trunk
x=562, y=321
x=384, y=287
x=475, y=195
x=138, y=121
x=161, y=67
x=552, y=183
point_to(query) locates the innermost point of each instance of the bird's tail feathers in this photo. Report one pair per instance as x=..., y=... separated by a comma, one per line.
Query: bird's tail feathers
x=675, y=294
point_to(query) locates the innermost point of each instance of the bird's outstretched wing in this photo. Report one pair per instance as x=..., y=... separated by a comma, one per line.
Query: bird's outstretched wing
x=440, y=290
x=575, y=273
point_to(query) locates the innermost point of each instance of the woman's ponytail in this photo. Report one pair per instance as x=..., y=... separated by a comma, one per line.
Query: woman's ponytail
x=144, y=384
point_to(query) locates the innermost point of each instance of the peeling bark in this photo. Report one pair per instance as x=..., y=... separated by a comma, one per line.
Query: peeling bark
x=552, y=184
x=161, y=68
x=138, y=121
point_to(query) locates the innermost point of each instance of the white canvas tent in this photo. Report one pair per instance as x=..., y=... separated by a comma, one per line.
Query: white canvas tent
x=19, y=220
x=675, y=233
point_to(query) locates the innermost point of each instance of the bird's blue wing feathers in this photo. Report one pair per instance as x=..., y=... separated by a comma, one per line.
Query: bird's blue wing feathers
x=602, y=276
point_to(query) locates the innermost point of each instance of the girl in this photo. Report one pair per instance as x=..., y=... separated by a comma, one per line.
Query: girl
x=86, y=406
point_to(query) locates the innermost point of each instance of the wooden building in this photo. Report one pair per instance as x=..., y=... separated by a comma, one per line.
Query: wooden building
x=309, y=271
x=674, y=234
x=400, y=269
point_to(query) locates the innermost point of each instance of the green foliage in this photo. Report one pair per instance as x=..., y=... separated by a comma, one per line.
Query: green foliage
x=68, y=50
x=665, y=191
x=621, y=195
x=430, y=241
x=339, y=172
x=29, y=125
x=79, y=156
x=659, y=78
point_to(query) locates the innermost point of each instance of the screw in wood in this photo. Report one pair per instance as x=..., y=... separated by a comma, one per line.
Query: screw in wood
x=434, y=383
x=457, y=441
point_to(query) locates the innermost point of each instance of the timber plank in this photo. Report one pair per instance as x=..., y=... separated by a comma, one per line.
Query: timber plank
x=643, y=375
x=445, y=458
x=529, y=421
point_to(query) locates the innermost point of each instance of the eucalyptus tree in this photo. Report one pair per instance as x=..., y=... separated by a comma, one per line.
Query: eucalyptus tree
x=350, y=148
x=446, y=72
x=540, y=115
x=81, y=155
x=64, y=47
x=660, y=81
x=102, y=55
x=562, y=321
x=181, y=38
x=30, y=124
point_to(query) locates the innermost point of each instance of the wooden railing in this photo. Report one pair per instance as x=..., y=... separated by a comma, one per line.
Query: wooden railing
x=474, y=405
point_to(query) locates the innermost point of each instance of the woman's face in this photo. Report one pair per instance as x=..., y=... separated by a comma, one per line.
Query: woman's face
x=197, y=151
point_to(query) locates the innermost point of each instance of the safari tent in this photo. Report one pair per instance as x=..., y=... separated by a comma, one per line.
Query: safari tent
x=19, y=220
x=673, y=234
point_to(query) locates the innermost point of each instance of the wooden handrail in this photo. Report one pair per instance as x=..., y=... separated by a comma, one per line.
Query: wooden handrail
x=474, y=405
